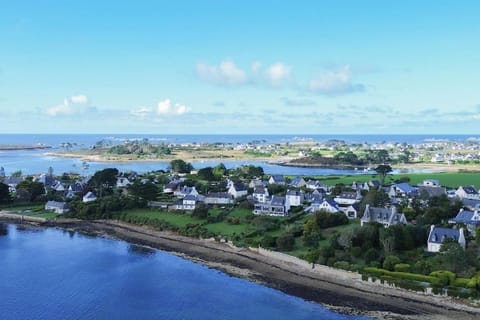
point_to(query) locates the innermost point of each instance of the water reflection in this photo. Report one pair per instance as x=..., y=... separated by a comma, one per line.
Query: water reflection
x=3, y=229
x=141, y=250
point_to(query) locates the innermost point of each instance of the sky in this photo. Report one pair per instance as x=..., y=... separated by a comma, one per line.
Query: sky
x=233, y=67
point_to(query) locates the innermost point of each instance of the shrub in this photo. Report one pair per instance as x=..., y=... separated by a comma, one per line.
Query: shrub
x=390, y=262
x=402, y=275
x=402, y=267
x=342, y=265
x=445, y=277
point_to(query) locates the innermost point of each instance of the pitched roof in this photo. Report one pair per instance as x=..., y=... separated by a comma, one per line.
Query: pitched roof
x=437, y=235
x=277, y=201
x=348, y=195
x=432, y=191
x=405, y=187
x=466, y=216
x=240, y=186
x=278, y=178
x=469, y=189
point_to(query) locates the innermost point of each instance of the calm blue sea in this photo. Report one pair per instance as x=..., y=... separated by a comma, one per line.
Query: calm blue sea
x=34, y=162
x=53, y=274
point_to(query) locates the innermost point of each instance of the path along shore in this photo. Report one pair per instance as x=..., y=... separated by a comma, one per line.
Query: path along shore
x=342, y=291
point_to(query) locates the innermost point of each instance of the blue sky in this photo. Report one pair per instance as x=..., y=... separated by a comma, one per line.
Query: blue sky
x=170, y=67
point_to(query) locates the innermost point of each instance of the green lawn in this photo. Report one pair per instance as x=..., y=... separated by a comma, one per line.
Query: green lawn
x=45, y=214
x=227, y=229
x=176, y=219
x=449, y=179
x=240, y=213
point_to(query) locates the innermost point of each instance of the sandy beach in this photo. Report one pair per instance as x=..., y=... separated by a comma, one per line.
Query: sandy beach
x=340, y=290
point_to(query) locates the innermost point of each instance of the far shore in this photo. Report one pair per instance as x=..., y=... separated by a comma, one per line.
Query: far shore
x=283, y=161
x=339, y=290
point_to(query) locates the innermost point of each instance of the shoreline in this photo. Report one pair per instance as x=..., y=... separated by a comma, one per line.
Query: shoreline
x=339, y=290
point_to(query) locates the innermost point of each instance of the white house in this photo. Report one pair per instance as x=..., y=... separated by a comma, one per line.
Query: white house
x=294, y=198
x=431, y=183
x=237, y=190
x=57, y=207
x=89, y=197
x=469, y=218
x=385, y=216
x=438, y=235
x=260, y=194
x=352, y=211
x=467, y=192
x=298, y=182
x=123, y=182
x=329, y=206
x=276, y=206
x=218, y=198
x=402, y=190
x=347, y=198
x=187, y=203
x=277, y=179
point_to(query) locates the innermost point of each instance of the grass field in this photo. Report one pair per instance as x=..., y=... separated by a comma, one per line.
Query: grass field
x=448, y=179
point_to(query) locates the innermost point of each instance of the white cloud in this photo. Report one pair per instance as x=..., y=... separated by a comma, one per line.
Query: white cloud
x=74, y=105
x=142, y=112
x=335, y=82
x=165, y=107
x=278, y=73
x=227, y=73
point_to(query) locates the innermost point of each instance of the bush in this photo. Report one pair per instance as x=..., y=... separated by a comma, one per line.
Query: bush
x=402, y=267
x=402, y=275
x=445, y=277
x=342, y=265
x=390, y=262
x=285, y=242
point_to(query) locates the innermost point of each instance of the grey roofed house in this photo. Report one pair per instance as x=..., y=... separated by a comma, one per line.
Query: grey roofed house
x=469, y=189
x=298, y=182
x=385, y=216
x=437, y=235
x=275, y=207
x=432, y=191
x=218, y=198
x=276, y=179
x=470, y=218
x=472, y=204
x=374, y=183
x=57, y=207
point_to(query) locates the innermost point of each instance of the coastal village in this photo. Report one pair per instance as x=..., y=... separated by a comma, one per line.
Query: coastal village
x=383, y=228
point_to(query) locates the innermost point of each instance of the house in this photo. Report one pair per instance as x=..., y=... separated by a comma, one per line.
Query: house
x=171, y=187
x=315, y=185
x=277, y=179
x=185, y=191
x=402, y=190
x=237, y=190
x=58, y=186
x=187, y=203
x=218, y=198
x=89, y=197
x=467, y=192
x=294, y=198
x=276, y=206
x=438, y=235
x=329, y=206
x=76, y=188
x=469, y=218
x=57, y=207
x=123, y=182
x=471, y=204
x=257, y=183
x=352, y=211
x=360, y=186
x=12, y=183
x=260, y=194
x=347, y=198
x=431, y=183
x=431, y=191
x=47, y=180
x=298, y=182
x=374, y=184
x=386, y=216
x=158, y=205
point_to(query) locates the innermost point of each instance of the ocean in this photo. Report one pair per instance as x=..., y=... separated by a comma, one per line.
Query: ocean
x=48, y=274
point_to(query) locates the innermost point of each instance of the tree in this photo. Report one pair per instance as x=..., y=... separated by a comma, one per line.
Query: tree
x=219, y=171
x=147, y=191
x=4, y=194
x=285, y=242
x=200, y=211
x=206, y=174
x=180, y=166
x=50, y=171
x=104, y=180
x=390, y=262
x=311, y=233
x=30, y=190
x=17, y=174
x=382, y=170
x=452, y=256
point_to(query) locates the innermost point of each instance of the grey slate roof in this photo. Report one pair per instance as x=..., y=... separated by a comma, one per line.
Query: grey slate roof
x=277, y=201
x=465, y=216
x=439, y=234
x=239, y=186
x=469, y=190
x=432, y=191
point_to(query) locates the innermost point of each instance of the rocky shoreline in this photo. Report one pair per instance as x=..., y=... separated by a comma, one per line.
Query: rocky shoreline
x=339, y=290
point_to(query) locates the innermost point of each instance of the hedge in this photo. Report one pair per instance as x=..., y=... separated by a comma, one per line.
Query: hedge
x=445, y=277
x=402, y=275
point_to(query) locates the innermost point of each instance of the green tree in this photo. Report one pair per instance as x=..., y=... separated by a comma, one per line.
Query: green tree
x=311, y=233
x=219, y=171
x=30, y=190
x=390, y=262
x=206, y=174
x=200, y=211
x=285, y=242
x=17, y=174
x=382, y=170
x=147, y=191
x=4, y=194
x=180, y=166
x=104, y=180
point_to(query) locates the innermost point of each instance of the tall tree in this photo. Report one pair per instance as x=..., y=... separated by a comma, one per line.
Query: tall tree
x=4, y=194
x=382, y=170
